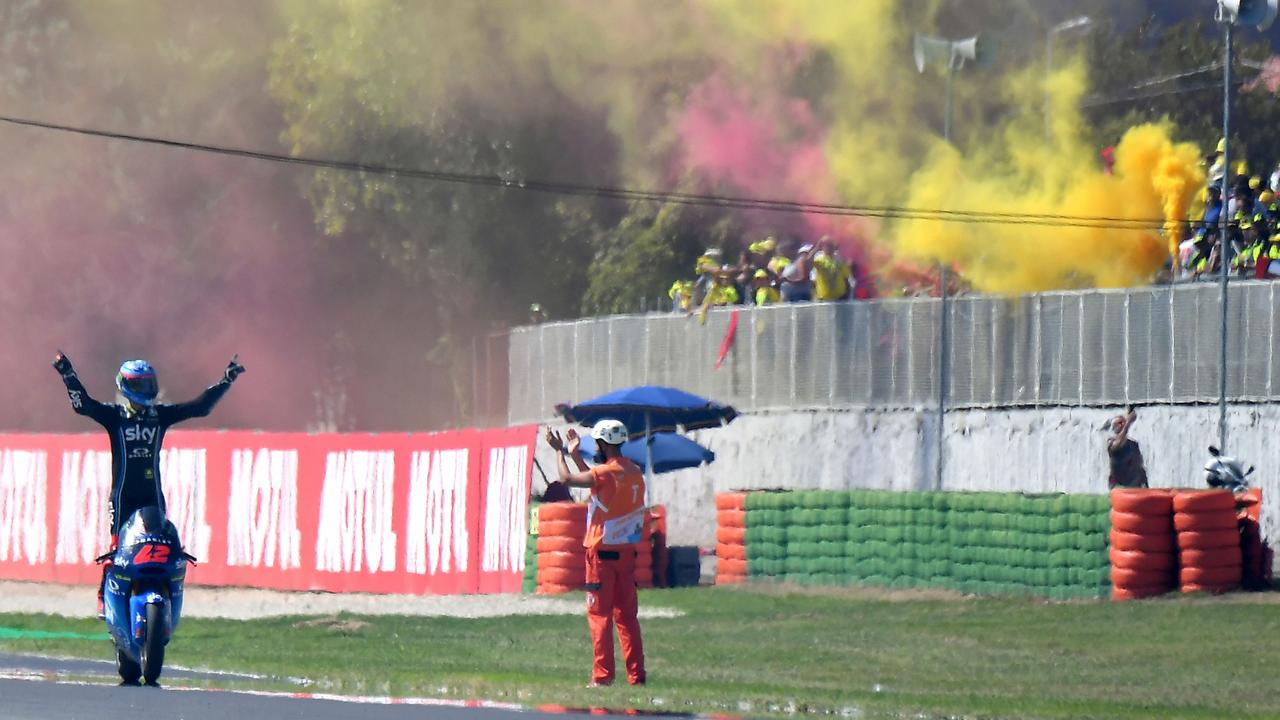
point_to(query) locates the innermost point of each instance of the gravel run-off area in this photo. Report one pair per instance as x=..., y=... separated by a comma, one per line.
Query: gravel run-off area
x=250, y=603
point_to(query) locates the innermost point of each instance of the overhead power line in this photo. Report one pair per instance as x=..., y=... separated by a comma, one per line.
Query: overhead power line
x=571, y=189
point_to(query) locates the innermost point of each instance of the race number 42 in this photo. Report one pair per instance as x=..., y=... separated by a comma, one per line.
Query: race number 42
x=151, y=553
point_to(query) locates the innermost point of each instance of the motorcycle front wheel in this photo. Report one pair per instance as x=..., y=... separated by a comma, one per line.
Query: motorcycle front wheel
x=153, y=645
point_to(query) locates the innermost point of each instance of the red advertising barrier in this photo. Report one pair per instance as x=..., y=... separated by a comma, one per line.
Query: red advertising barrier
x=387, y=513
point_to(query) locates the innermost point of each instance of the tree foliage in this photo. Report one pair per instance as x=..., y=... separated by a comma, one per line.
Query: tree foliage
x=1157, y=71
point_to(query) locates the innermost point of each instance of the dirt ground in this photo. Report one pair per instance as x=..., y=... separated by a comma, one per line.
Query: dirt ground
x=249, y=603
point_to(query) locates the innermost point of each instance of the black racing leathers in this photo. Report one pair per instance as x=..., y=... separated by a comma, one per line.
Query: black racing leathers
x=135, y=443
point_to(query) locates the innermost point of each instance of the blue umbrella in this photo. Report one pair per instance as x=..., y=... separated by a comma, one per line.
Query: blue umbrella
x=650, y=408
x=669, y=451
x=646, y=409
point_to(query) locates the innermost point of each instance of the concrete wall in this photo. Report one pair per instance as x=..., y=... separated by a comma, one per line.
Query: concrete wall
x=1030, y=450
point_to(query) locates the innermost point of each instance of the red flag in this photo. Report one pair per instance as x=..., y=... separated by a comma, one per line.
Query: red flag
x=728, y=338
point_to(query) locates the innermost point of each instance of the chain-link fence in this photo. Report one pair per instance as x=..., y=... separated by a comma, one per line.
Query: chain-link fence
x=1098, y=347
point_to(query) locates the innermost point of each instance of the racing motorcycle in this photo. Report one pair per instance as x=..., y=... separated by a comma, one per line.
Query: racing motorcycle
x=1226, y=472
x=143, y=594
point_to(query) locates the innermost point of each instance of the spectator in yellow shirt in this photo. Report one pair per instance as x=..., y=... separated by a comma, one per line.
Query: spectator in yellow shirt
x=763, y=291
x=681, y=294
x=830, y=275
x=720, y=293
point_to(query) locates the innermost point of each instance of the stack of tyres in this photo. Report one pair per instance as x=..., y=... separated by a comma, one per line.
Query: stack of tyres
x=644, y=554
x=731, y=529
x=1143, y=547
x=658, y=551
x=562, y=565
x=1256, y=566
x=1208, y=541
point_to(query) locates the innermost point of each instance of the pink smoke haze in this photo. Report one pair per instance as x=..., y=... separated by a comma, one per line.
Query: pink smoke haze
x=213, y=256
x=759, y=143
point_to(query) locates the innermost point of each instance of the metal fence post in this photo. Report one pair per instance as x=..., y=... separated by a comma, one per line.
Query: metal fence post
x=1225, y=238
x=1271, y=341
x=831, y=376
x=756, y=312
x=608, y=366
x=1037, y=346
x=794, y=349
x=944, y=341
x=1124, y=357
x=1173, y=341
x=1080, y=349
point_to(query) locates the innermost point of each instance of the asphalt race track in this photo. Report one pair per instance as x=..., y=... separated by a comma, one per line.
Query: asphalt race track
x=36, y=688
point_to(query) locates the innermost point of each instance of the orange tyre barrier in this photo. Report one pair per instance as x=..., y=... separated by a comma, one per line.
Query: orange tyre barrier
x=562, y=528
x=731, y=566
x=1203, y=501
x=731, y=535
x=1132, y=578
x=730, y=579
x=1138, y=593
x=551, y=589
x=1142, y=501
x=553, y=543
x=562, y=576
x=728, y=551
x=1208, y=539
x=731, y=501
x=1146, y=543
x=1214, y=589
x=1202, y=521
x=1249, y=504
x=1217, y=576
x=1141, y=524
x=731, y=518
x=563, y=511
x=1138, y=560
x=561, y=560
x=1212, y=557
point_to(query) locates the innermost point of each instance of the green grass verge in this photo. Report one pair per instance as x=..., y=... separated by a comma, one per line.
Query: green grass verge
x=762, y=650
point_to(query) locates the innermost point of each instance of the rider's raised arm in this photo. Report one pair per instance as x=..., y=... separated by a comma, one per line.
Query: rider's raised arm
x=201, y=406
x=198, y=408
x=81, y=402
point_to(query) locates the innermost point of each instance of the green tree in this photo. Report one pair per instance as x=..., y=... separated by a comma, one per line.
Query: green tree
x=648, y=249
x=1157, y=72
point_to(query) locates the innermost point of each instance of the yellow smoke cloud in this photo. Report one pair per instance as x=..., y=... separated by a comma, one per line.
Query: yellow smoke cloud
x=1021, y=172
x=883, y=147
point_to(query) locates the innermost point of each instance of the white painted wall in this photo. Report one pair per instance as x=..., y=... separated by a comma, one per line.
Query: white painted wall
x=1030, y=450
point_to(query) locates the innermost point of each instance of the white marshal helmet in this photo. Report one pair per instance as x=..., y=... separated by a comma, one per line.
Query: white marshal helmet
x=610, y=431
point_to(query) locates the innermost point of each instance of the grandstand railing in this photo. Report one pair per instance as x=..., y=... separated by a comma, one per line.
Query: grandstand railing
x=1082, y=348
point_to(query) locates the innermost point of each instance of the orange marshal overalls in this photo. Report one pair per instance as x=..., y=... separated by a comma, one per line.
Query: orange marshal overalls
x=615, y=521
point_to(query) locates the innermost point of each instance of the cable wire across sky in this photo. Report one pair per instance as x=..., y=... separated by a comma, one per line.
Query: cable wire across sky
x=572, y=189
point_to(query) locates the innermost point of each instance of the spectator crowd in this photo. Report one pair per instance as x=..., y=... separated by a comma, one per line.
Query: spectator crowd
x=1252, y=211
x=764, y=275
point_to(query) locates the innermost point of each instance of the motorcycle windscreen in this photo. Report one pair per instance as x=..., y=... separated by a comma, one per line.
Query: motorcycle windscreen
x=147, y=525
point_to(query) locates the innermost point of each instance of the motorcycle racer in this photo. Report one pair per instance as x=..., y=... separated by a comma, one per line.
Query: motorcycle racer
x=136, y=428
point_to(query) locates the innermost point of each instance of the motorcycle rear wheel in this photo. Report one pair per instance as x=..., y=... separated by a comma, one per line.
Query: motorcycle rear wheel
x=153, y=645
x=129, y=670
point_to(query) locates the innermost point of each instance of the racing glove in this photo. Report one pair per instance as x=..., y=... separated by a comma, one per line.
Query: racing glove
x=62, y=364
x=233, y=370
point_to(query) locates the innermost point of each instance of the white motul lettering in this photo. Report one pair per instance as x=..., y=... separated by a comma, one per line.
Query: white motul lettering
x=504, y=509
x=262, y=517
x=437, y=515
x=133, y=433
x=82, y=507
x=183, y=477
x=23, y=483
x=356, y=508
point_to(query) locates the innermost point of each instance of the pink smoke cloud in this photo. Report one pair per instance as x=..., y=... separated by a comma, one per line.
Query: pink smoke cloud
x=763, y=144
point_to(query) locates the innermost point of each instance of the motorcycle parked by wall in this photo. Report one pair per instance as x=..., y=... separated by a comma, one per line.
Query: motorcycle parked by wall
x=143, y=594
x=1226, y=472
